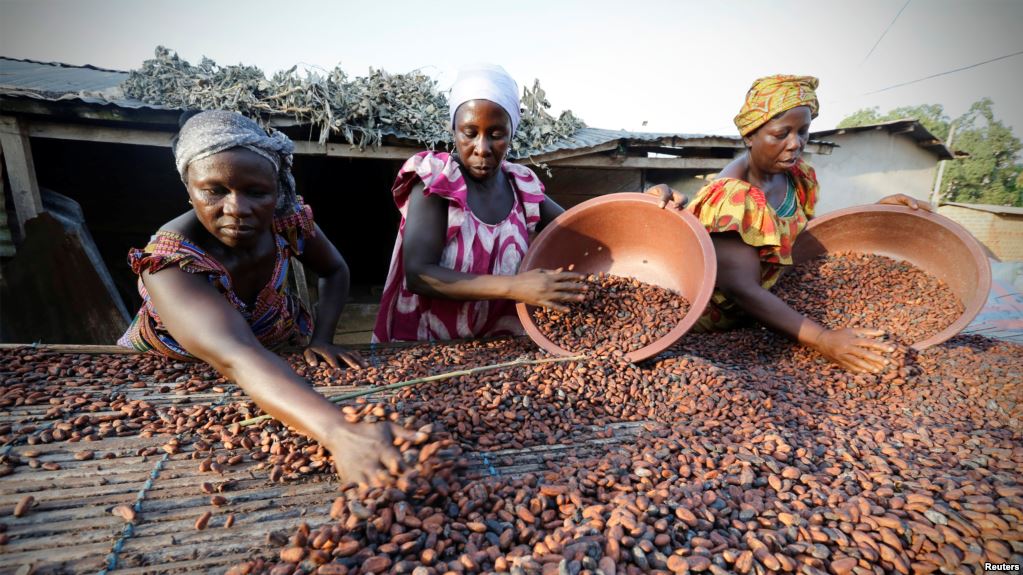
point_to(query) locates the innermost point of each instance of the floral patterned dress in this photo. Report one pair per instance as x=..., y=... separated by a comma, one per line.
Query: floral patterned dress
x=471, y=246
x=277, y=317
x=732, y=205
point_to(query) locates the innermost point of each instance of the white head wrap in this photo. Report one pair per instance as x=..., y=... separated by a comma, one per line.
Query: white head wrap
x=486, y=82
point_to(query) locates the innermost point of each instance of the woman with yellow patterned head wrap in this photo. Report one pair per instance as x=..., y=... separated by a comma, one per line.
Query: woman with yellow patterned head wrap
x=755, y=209
x=774, y=95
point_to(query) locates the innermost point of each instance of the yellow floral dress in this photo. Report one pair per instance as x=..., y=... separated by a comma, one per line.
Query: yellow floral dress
x=732, y=205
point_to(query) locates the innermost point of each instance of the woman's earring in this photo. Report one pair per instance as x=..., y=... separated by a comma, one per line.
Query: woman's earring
x=190, y=203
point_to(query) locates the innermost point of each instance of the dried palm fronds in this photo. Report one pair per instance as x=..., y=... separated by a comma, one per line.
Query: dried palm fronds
x=359, y=109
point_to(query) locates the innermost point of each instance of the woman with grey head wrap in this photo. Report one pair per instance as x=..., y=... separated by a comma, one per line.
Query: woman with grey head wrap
x=213, y=284
x=212, y=132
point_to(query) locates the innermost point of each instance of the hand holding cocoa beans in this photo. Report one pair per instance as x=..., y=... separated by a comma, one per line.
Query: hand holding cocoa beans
x=869, y=292
x=548, y=288
x=616, y=316
x=333, y=355
x=365, y=452
x=854, y=349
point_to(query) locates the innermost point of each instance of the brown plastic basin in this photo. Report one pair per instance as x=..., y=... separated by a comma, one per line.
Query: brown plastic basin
x=929, y=241
x=628, y=234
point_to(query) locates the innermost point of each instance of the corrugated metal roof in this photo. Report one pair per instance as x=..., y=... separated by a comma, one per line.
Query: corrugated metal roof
x=57, y=81
x=592, y=137
x=990, y=208
x=909, y=127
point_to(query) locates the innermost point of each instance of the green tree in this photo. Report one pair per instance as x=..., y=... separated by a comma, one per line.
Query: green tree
x=991, y=174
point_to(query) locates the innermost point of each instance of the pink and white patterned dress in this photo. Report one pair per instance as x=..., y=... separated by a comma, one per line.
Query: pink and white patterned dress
x=471, y=246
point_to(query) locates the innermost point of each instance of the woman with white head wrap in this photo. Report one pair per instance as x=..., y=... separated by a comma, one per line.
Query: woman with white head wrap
x=466, y=221
x=213, y=284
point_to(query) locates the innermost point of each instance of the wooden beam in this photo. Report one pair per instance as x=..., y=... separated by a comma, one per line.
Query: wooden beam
x=7, y=248
x=666, y=150
x=611, y=162
x=338, y=150
x=569, y=153
x=102, y=134
x=159, y=138
x=68, y=348
x=693, y=141
x=820, y=148
x=116, y=349
x=21, y=170
x=162, y=138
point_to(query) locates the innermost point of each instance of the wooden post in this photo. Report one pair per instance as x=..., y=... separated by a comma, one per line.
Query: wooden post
x=6, y=239
x=17, y=153
x=936, y=194
x=301, y=287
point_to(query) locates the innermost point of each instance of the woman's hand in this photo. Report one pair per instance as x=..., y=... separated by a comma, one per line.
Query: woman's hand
x=331, y=354
x=366, y=453
x=668, y=195
x=904, y=200
x=854, y=349
x=548, y=288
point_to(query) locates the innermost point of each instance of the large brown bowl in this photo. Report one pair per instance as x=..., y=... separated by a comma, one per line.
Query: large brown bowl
x=929, y=241
x=628, y=234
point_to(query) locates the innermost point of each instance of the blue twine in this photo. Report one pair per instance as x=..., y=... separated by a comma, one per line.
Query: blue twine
x=490, y=466
x=373, y=359
x=128, y=531
x=42, y=427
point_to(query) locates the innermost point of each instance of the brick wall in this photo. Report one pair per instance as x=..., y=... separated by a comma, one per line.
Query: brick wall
x=1001, y=233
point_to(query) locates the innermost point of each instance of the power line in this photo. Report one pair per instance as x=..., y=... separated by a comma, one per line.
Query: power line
x=885, y=33
x=945, y=73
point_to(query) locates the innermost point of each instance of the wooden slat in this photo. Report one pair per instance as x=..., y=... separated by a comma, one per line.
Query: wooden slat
x=204, y=565
x=73, y=531
x=21, y=170
x=336, y=150
x=69, y=348
x=7, y=248
x=612, y=162
x=569, y=153
x=162, y=138
x=103, y=134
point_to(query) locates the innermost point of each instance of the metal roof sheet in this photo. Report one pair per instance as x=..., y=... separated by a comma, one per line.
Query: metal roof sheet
x=909, y=127
x=590, y=137
x=56, y=81
x=990, y=208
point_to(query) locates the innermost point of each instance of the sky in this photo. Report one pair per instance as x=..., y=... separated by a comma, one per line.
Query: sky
x=646, y=65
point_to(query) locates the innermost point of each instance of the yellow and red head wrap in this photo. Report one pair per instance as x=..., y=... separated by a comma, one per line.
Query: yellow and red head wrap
x=772, y=95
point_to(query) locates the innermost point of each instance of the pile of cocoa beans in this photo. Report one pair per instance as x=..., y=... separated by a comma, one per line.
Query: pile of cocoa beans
x=755, y=456
x=871, y=291
x=747, y=454
x=619, y=315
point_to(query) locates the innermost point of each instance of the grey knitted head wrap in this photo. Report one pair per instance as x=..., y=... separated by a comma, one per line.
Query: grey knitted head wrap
x=215, y=131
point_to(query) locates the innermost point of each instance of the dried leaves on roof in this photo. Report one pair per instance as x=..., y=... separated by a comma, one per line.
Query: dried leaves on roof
x=538, y=129
x=359, y=109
